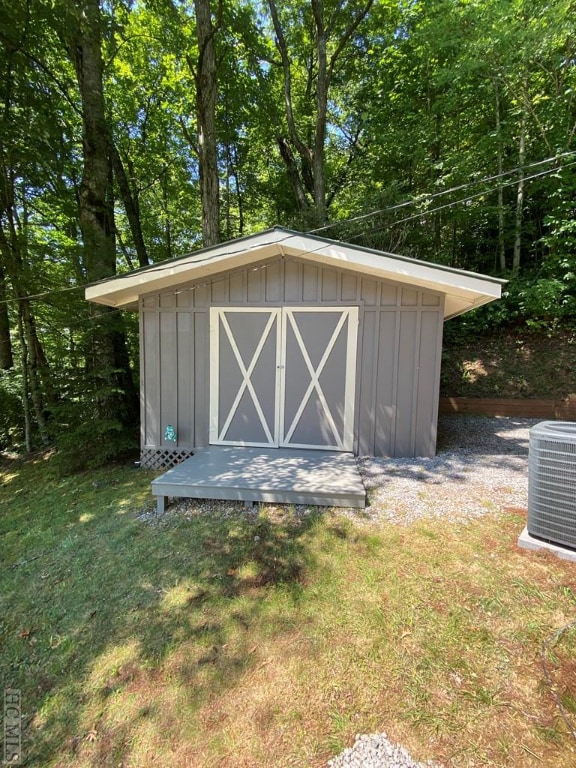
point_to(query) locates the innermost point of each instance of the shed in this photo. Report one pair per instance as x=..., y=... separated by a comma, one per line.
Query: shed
x=289, y=340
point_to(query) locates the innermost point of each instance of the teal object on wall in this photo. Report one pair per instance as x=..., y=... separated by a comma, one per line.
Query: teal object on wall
x=170, y=433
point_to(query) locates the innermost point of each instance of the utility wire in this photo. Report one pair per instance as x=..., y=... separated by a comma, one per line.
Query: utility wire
x=433, y=195
x=483, y=193
x=161, y=267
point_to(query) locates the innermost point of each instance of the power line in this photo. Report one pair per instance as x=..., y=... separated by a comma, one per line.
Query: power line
x=433, y=195
x=421, y=198
x=42, y=295
x=92, y=318
x=428, y=211
x=162, y=267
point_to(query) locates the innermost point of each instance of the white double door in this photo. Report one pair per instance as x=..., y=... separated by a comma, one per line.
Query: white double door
x=283, y=376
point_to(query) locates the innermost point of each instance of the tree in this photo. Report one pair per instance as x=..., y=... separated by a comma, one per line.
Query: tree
x=131, y=133
x=19, y=120
x=114, y=392
x=6, y=357
x=205, y=76
x=329, y=32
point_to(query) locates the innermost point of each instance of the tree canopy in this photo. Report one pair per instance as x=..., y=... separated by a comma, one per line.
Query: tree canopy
x=133, y=132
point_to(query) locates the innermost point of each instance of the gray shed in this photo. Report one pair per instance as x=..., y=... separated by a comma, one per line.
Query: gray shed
x=283, y=339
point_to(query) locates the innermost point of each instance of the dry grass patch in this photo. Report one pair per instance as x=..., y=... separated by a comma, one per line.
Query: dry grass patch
x=227, y=639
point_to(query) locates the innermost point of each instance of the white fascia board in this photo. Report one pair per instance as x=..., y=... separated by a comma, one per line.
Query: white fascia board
x=125, y=290
x=463, y=290
x=456, y=305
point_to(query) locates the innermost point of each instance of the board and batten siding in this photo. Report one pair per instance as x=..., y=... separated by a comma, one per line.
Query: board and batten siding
x=398, y=357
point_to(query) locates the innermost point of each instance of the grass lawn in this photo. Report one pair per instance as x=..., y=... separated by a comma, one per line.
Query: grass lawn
x=268, y=639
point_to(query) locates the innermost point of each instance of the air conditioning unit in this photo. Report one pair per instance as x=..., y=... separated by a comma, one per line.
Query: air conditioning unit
x=552, y=483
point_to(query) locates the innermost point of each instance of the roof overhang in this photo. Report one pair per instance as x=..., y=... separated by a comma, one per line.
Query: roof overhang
x=463, y=290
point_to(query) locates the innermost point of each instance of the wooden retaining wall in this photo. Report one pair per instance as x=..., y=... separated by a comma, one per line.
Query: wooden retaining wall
x=562, y=410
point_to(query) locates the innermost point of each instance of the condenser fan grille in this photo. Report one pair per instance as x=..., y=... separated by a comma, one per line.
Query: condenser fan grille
x=552, y=483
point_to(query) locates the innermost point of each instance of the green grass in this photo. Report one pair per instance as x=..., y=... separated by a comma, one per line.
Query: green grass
x=235, y=639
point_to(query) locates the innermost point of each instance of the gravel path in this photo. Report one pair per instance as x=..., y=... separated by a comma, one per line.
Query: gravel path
x=481, y=466
x=375, y=751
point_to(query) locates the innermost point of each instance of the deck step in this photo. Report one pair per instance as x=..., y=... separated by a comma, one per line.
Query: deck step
x=274, y=475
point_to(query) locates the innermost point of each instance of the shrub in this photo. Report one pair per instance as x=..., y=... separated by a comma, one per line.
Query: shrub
x=11, y=410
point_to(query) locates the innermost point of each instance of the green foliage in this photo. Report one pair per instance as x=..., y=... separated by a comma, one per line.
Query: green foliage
x=11, y=417
x=87, y=443
x=536, y=302
x=85, y=438
x=545, y=301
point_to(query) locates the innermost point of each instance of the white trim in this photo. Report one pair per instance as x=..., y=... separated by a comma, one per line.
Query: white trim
x=314, y=379
x=279, y=384
x=345, y=441
x=351, y=362
x=214, y=336
x=247, y=375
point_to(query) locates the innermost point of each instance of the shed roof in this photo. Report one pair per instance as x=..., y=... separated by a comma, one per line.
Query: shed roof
x=463, y=290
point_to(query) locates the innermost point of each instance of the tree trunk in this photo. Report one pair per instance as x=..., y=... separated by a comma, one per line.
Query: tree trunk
x=96, y=209
x=206, y=93
x=6, y=356
x=293, y=173
x=13, y=251
x=311, y=176
x=519, y=196
x=166, y=216
x=500, y=166
x=130, y=206
x=318, y=159
x=236, y=177
x=25, y=393
x=301, y=178
x=32, y=362
x=115, y=394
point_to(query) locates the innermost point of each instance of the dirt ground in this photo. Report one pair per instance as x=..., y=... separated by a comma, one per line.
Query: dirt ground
x=512, y=363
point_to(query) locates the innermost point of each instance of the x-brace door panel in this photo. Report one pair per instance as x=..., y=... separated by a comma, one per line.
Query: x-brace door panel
x=319, y=358
x=244, y=376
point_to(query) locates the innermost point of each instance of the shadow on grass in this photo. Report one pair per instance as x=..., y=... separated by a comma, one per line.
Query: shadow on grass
x=114, y=600
x=101, y=610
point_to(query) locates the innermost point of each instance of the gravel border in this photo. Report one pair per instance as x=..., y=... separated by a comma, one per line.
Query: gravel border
x=481, y=466
x=375, y=750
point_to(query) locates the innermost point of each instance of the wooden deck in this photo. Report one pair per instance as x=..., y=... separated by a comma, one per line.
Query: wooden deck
x=276, y=475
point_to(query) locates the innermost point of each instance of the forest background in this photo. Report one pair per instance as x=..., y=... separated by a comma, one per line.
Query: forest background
x=134, y=132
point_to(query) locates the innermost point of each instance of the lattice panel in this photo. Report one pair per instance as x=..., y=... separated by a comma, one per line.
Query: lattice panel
x=163, y=458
